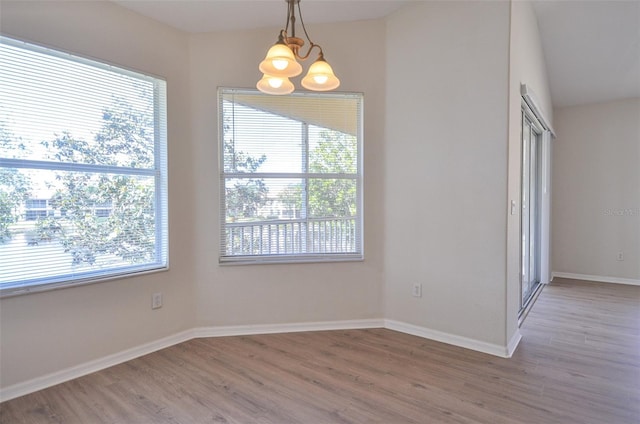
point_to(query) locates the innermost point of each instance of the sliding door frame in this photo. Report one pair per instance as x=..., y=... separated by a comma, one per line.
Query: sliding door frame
x=531, y=109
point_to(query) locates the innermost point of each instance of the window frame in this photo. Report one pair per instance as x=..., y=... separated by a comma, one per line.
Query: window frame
x=358, y=178
x=159, y=173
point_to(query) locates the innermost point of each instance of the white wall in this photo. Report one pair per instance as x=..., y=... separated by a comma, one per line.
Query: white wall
x=266, y=294
x=526, y=66
x=437, y=102
x=446, y=167
x=48, y=332
x=596, y=190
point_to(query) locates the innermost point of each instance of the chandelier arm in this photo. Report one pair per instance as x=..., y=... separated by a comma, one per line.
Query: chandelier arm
x=311, y=47
x=304, y=28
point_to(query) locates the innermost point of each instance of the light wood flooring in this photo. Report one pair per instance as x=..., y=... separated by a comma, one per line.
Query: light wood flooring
x=579, y=362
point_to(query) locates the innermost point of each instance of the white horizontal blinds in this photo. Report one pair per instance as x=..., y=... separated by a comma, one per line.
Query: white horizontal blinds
x=291, y=177
x=161, y=206
x=82, y=169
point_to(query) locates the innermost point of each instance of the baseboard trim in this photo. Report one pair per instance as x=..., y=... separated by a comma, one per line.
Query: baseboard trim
x=598, y=278
x=465, y=342
x=247, y=330
x=58, y=377
x=39, y=383
x=513, y=343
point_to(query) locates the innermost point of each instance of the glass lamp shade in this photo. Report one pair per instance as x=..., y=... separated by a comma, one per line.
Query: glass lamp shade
x=280, y=62
x=275, y=85
x=320, y=77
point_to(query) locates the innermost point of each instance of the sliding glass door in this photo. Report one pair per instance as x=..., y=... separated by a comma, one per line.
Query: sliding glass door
x=530, y=204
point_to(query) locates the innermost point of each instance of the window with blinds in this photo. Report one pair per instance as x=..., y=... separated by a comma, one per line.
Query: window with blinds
x=83, y=173
x=290, y=177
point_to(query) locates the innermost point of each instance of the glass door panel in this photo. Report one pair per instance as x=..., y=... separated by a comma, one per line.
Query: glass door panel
x=530, y=204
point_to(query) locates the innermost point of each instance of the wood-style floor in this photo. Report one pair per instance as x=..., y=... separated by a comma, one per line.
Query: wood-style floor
x=579, y=362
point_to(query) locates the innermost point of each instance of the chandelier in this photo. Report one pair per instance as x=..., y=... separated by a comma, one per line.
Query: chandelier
x=280, y=64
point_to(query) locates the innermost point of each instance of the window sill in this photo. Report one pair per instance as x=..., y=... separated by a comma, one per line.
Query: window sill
x=252, y=260
x=23, y=289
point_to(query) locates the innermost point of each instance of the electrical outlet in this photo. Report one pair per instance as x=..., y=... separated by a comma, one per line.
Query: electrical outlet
x=156, y=300
x=417, y=290
x=620, y=256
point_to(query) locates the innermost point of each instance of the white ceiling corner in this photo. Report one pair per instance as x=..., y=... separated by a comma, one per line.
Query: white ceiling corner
x=591, y=48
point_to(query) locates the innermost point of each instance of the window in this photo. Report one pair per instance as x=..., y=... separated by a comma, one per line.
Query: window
x=82, y=170
x=290, y=177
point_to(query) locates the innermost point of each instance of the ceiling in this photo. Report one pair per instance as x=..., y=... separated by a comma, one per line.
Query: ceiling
x=222, y=15
x=592, y=47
